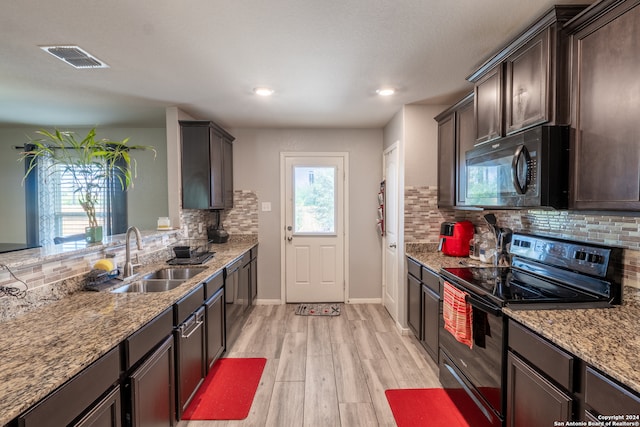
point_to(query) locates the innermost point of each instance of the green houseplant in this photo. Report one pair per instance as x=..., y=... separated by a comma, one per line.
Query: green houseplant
x=90, y=163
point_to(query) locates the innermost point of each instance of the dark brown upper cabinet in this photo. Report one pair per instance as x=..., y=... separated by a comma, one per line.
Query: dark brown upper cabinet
x=527, y=101
x=605, y=152
x=207, y=166
x=488, y=106
x=456, y=135
x=526, y=82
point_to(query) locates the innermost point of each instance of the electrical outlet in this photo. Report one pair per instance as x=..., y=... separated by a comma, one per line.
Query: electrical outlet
x=266, y=206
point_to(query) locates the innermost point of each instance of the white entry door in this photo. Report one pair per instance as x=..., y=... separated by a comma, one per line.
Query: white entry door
x=390, y=239
x=314, y=228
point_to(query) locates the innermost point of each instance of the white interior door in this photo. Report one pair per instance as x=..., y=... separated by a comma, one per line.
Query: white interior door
x=390, y=239
x=314, y=228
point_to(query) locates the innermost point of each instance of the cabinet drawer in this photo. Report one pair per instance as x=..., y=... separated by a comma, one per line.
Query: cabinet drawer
x=431, y=279
x=72, y=399
x=212, y=284
x=550, y=359
x=188, y=304
x=246, y=258
x=414, y=269
x=147, y=337
x=254, y=252
x=607, y=397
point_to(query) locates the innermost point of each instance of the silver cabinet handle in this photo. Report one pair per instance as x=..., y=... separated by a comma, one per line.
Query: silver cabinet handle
x=393, y=245
x=195, y=328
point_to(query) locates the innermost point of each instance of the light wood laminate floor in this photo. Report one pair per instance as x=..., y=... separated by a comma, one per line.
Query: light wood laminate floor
x=327, y=371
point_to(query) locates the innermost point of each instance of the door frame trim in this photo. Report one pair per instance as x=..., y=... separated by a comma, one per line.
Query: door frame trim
x=394, y=146
x=283, y=206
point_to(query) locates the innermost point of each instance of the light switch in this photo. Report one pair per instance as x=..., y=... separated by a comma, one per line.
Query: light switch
x=266, y=206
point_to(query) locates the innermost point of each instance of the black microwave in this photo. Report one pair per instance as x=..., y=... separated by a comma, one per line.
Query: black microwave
x=526, y=170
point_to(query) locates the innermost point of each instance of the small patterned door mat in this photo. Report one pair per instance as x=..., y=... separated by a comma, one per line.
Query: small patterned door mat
x=318, y=309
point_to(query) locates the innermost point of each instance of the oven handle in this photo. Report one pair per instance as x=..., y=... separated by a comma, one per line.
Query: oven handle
x=484, y=306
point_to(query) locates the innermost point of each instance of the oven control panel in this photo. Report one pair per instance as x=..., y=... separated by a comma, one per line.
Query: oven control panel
x=586, y=258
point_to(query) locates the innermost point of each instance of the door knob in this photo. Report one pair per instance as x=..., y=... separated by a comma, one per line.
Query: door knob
x=289, y=238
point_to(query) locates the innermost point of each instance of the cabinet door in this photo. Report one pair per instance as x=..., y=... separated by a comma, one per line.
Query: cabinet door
x=106, y=413
x=217, y=172
x=244, y=285
x=414, y=297
x=254, y=280
x=527, y=100
x=606, y=152
x=152, y=389
x=190, y=359
x=227, y=168
x=196, y=180
x=446, y=160
x=430, y=321
x=533, y=401
x=465, y=140
x=488, y=106
x=215, y=327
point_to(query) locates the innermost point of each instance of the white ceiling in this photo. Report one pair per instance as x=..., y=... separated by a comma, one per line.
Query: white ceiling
x=324, y=58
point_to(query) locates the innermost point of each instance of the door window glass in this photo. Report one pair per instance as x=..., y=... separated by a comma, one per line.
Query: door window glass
x=314, y=208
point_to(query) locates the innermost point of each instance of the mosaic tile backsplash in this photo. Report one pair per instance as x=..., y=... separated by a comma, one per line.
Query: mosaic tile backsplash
x=242, y=219
x=423, y=219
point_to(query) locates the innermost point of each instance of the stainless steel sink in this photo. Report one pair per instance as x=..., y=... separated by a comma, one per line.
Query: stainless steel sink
x=150, y=285
x=175, y=273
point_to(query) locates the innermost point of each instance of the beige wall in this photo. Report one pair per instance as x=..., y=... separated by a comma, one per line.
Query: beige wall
x=147, y=199
x=421, y=144
x=256, y=163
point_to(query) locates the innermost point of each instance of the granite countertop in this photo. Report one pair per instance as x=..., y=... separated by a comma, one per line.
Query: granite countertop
x=41, y=350
x=606, y=338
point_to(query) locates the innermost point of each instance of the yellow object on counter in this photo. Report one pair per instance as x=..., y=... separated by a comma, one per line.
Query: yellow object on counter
x=104, y=264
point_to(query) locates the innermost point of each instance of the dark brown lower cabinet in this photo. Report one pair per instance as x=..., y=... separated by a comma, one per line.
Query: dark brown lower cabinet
x=605, y=396
x=106, y=413
x=430, y=319
x=532, y=400
x=190, y=358
x=68, y=405
x=215, y=327
x=152, y=389
x=414, y=305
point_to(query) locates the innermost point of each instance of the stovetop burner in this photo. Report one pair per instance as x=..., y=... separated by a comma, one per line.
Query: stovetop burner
x=545, y=272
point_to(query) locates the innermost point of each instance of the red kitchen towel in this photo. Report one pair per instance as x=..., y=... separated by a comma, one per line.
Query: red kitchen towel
x=458, y=314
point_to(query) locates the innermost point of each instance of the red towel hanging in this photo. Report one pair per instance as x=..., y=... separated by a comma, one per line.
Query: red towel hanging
x=458, y=314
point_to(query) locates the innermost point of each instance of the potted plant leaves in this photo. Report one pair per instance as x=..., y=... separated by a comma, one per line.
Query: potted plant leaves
x=90, y=164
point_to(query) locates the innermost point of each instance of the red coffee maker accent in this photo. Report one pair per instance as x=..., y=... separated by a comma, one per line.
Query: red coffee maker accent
x=455, y=238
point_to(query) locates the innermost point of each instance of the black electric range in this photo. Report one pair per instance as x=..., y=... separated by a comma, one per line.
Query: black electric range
x=547, y=273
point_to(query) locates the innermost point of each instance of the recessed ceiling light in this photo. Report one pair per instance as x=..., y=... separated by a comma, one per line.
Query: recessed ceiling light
x=75, y=56
x=263, y=91
x=387, y=91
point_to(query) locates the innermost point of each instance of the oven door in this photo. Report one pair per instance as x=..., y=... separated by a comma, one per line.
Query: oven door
x=473, y=377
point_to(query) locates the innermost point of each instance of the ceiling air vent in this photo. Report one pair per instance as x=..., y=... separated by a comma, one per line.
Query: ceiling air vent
x=75, y=56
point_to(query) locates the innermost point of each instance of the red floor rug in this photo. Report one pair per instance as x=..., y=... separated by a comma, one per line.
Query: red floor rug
x=433, y=407
x=227, y=392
